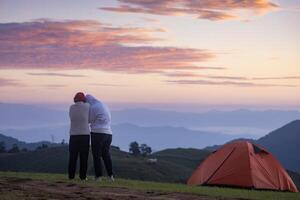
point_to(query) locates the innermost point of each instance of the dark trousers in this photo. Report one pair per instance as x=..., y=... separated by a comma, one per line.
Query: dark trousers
x=79, y=145
x=100, y=148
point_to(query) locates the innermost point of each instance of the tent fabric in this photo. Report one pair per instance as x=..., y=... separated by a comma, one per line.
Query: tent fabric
x=243, y=164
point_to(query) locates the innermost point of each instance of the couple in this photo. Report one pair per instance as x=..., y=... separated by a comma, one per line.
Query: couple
x=88, y=111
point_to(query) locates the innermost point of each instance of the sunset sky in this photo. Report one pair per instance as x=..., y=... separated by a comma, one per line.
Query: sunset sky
x=151, y=52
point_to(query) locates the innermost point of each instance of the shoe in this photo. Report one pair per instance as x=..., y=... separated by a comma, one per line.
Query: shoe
x=84, y=179
x=111, y=178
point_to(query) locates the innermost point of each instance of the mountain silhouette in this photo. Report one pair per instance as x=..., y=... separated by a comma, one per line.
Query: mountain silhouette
x=284, y=143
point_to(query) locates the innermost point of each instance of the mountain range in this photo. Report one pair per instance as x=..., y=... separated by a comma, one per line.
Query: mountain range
x=158, y=138
x=10, y=141
x=19, y=116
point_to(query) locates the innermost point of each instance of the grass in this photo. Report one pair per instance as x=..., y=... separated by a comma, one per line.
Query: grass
x=163, y=187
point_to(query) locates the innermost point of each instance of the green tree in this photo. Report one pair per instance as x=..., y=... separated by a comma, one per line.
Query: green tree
x=14, y=149
x=145, y=150
x=43, y=146
x=2, y=147
x=134, y=148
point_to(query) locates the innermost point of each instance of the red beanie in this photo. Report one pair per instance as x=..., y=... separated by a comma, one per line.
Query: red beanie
x=79, y=97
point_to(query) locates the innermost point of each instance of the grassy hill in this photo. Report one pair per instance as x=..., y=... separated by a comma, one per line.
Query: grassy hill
x=10, y=141
x=16, y=186
x=174, y=165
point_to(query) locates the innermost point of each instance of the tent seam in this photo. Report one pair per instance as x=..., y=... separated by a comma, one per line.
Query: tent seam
x=220, y=166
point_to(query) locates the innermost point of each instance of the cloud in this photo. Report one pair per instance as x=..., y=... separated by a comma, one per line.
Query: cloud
x=9, y=82
x=241, y=78
x=277, y=78
x=146, y=19
x=77, y=44
x=54, y=86
x=204, y=9
x=227, y=83
x=108, y=85
x=56, y=74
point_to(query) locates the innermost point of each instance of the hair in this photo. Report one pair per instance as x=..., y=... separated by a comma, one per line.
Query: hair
x=79, y=97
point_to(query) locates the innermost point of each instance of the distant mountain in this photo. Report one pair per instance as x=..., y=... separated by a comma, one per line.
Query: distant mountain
x=216, y=147
x=284, y=143
x=268, y=119
x=55, y=133
x=10, y=141
x=19, y=115
x=158, y=138
x=163, y=137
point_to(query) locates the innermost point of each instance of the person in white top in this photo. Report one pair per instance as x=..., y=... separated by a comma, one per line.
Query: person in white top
x=79, y=143
x=101, y=136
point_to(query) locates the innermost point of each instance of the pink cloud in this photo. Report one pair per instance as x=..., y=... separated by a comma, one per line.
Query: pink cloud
x=204, y=9
x=48, y=44
x=54, y=86
x=277, y=78
x=56, y=74
x=241, y=78
x=9, y=82
x=108, y=85
x=227, y=83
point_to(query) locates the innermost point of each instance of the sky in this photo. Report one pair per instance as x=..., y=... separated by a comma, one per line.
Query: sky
x=177, y=54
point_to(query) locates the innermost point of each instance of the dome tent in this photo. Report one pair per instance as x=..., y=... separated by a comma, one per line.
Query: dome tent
x=242, y=164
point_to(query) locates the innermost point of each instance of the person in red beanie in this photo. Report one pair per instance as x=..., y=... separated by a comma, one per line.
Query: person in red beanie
x=79, y=143
x=79, y=97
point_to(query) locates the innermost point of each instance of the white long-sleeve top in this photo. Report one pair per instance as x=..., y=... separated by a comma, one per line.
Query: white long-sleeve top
x=99, y=116
x=79, y=116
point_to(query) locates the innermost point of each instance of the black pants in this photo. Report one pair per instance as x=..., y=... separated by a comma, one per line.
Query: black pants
x=78, y=145
x=100, y=147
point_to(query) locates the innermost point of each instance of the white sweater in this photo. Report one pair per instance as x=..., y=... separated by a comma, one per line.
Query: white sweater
x=79, y=116
x=99, y=117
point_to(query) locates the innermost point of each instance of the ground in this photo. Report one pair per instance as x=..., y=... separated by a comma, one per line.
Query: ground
x=26, y=188
x=42, y=186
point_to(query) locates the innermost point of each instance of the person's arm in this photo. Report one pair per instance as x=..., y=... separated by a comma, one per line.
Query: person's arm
x=100, y=114
x=91, y=115
x=70, y=112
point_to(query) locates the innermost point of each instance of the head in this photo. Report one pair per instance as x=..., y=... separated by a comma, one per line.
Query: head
x=90, y=99
x=79, y=97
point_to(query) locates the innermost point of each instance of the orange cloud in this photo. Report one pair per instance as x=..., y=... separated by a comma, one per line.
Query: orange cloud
x=204, y=9
x=45, y=44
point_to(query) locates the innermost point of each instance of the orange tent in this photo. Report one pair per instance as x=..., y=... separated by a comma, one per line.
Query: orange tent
x=243, y=164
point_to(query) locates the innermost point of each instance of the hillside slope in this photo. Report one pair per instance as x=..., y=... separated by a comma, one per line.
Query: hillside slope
x=10, y=141
x=160, y=137
x=174, y=165
x=284, y=143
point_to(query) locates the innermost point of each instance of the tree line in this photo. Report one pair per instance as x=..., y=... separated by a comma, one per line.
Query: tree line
x=16, y=149
x=139, y=150
x=134, y=148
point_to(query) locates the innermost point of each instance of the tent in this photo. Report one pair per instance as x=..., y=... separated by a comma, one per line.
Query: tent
x=242, y=164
